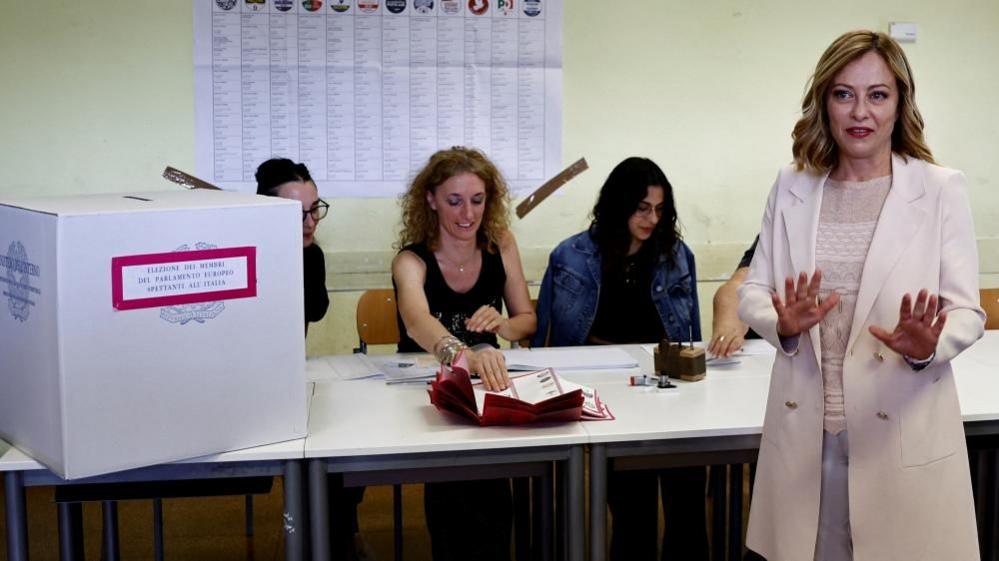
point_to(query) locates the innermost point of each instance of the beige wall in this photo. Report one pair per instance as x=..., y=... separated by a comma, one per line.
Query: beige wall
x=98, y=96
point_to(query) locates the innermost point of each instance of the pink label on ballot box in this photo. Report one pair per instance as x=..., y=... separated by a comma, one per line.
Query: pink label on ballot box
x=183, y=277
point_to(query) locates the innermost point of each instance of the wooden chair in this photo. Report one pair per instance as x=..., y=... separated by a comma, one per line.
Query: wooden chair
x=990, y=303
x=376, y=319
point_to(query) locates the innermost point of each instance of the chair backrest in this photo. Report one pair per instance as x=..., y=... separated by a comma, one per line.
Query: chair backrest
x=990, y=303
x=376, y=318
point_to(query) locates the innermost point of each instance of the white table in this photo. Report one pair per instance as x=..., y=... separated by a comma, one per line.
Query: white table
x=719, y=420
x=376, y=433
x=372, y=432
x=284, y=459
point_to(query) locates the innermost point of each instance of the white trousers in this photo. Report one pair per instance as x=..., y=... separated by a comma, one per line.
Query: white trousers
x=833, y=542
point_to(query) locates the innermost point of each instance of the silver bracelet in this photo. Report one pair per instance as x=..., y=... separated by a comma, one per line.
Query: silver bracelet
x=446, y=349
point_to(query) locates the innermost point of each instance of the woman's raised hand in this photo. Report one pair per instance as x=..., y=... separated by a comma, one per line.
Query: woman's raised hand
x=917, y=333
x=801, y=308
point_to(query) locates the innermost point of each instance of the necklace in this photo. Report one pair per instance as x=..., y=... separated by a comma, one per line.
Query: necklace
x=457, y=265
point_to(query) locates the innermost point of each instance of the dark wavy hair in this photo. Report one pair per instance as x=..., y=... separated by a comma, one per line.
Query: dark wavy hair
x=626, y=186
x=276, y=172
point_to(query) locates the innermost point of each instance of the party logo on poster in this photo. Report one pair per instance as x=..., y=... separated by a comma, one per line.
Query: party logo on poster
x=283, y=5
x=17, y=274
x=312, y=5
x=451, y=6
x=532, y=7
x=226, y=4
x=367, y=6
x=505, y=7
x=395, y=6
x=340, y=6
x=423, y=6
x=478, y=7
x=256, y=5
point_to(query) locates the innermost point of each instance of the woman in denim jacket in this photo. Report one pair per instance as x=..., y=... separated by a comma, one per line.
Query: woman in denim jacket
x=629, y=278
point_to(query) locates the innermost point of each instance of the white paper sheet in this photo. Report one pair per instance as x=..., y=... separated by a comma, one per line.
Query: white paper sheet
x=365, y=92
x=406, y=370
x=342, y=367
x=532, y=387
x=588, y=358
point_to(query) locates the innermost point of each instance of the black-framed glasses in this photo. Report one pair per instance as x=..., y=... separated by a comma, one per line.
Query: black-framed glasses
x=318, y=211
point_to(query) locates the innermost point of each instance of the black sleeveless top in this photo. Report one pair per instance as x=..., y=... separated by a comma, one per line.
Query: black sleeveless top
x=453, y=308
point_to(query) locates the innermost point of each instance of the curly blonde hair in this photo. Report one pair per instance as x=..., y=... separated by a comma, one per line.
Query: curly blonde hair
x=419, y=221
x=814, y=148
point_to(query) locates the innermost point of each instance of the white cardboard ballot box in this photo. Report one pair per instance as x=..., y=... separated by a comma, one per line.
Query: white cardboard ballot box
x=140, y=329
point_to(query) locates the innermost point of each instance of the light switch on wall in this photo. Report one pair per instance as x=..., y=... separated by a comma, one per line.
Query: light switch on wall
x=903, y=32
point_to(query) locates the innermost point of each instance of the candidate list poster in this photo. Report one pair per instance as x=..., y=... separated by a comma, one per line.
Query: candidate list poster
x=364, y=91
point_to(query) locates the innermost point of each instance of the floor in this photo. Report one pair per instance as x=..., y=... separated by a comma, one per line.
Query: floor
x=214, y=528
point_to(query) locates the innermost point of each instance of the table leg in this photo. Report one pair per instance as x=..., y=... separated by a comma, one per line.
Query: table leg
x=294, y=512
x=717, y=483
x=319, y=510
x=158, y=549
x=598, y=502
x=576, y=515
x=993, y=535
x=396, y=521
x=17, y=516
x=522, y=518
x=543, y=506
x=735, y=512
x=70, y=531
x=110, y=550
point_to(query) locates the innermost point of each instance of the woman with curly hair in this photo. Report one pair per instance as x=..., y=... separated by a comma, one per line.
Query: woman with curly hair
x=457, y=265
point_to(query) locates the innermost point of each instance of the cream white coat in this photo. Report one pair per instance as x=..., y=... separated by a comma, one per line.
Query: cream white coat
x=909, y=485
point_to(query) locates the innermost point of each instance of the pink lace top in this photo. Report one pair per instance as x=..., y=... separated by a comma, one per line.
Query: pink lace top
x=847, y=219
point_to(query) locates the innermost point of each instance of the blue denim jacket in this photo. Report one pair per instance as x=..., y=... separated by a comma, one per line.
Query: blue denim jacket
x=570, y=293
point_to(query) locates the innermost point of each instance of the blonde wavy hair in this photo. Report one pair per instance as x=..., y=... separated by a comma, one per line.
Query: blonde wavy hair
x=419, y=221
x=814, y=148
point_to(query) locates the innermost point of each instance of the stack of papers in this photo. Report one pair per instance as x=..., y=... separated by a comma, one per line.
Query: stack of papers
x=532, y=397
x=420, y=368
x=342, y=367
x=582, y=358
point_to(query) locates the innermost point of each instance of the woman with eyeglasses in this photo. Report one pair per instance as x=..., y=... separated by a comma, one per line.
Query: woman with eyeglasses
x=629, y=278
x=281, y=177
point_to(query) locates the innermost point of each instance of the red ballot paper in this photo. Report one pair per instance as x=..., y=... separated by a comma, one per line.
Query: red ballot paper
x=532, y=397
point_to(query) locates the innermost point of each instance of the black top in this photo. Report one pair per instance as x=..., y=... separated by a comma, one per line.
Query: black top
x=452, y=308
x=747, y=258
x=625, y=313
x=317, y=301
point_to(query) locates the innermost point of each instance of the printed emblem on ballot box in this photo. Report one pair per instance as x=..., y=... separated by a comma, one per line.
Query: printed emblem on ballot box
x=187, y=285
x=17, y=272
x=200, y=312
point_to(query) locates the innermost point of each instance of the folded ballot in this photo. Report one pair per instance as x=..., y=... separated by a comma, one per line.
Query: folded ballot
x=532, y=397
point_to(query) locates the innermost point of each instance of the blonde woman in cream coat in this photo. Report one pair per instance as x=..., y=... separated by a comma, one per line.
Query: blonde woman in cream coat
x=863, y=457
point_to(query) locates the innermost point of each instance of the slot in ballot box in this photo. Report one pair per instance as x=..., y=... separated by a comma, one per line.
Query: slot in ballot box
x=152, y=327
